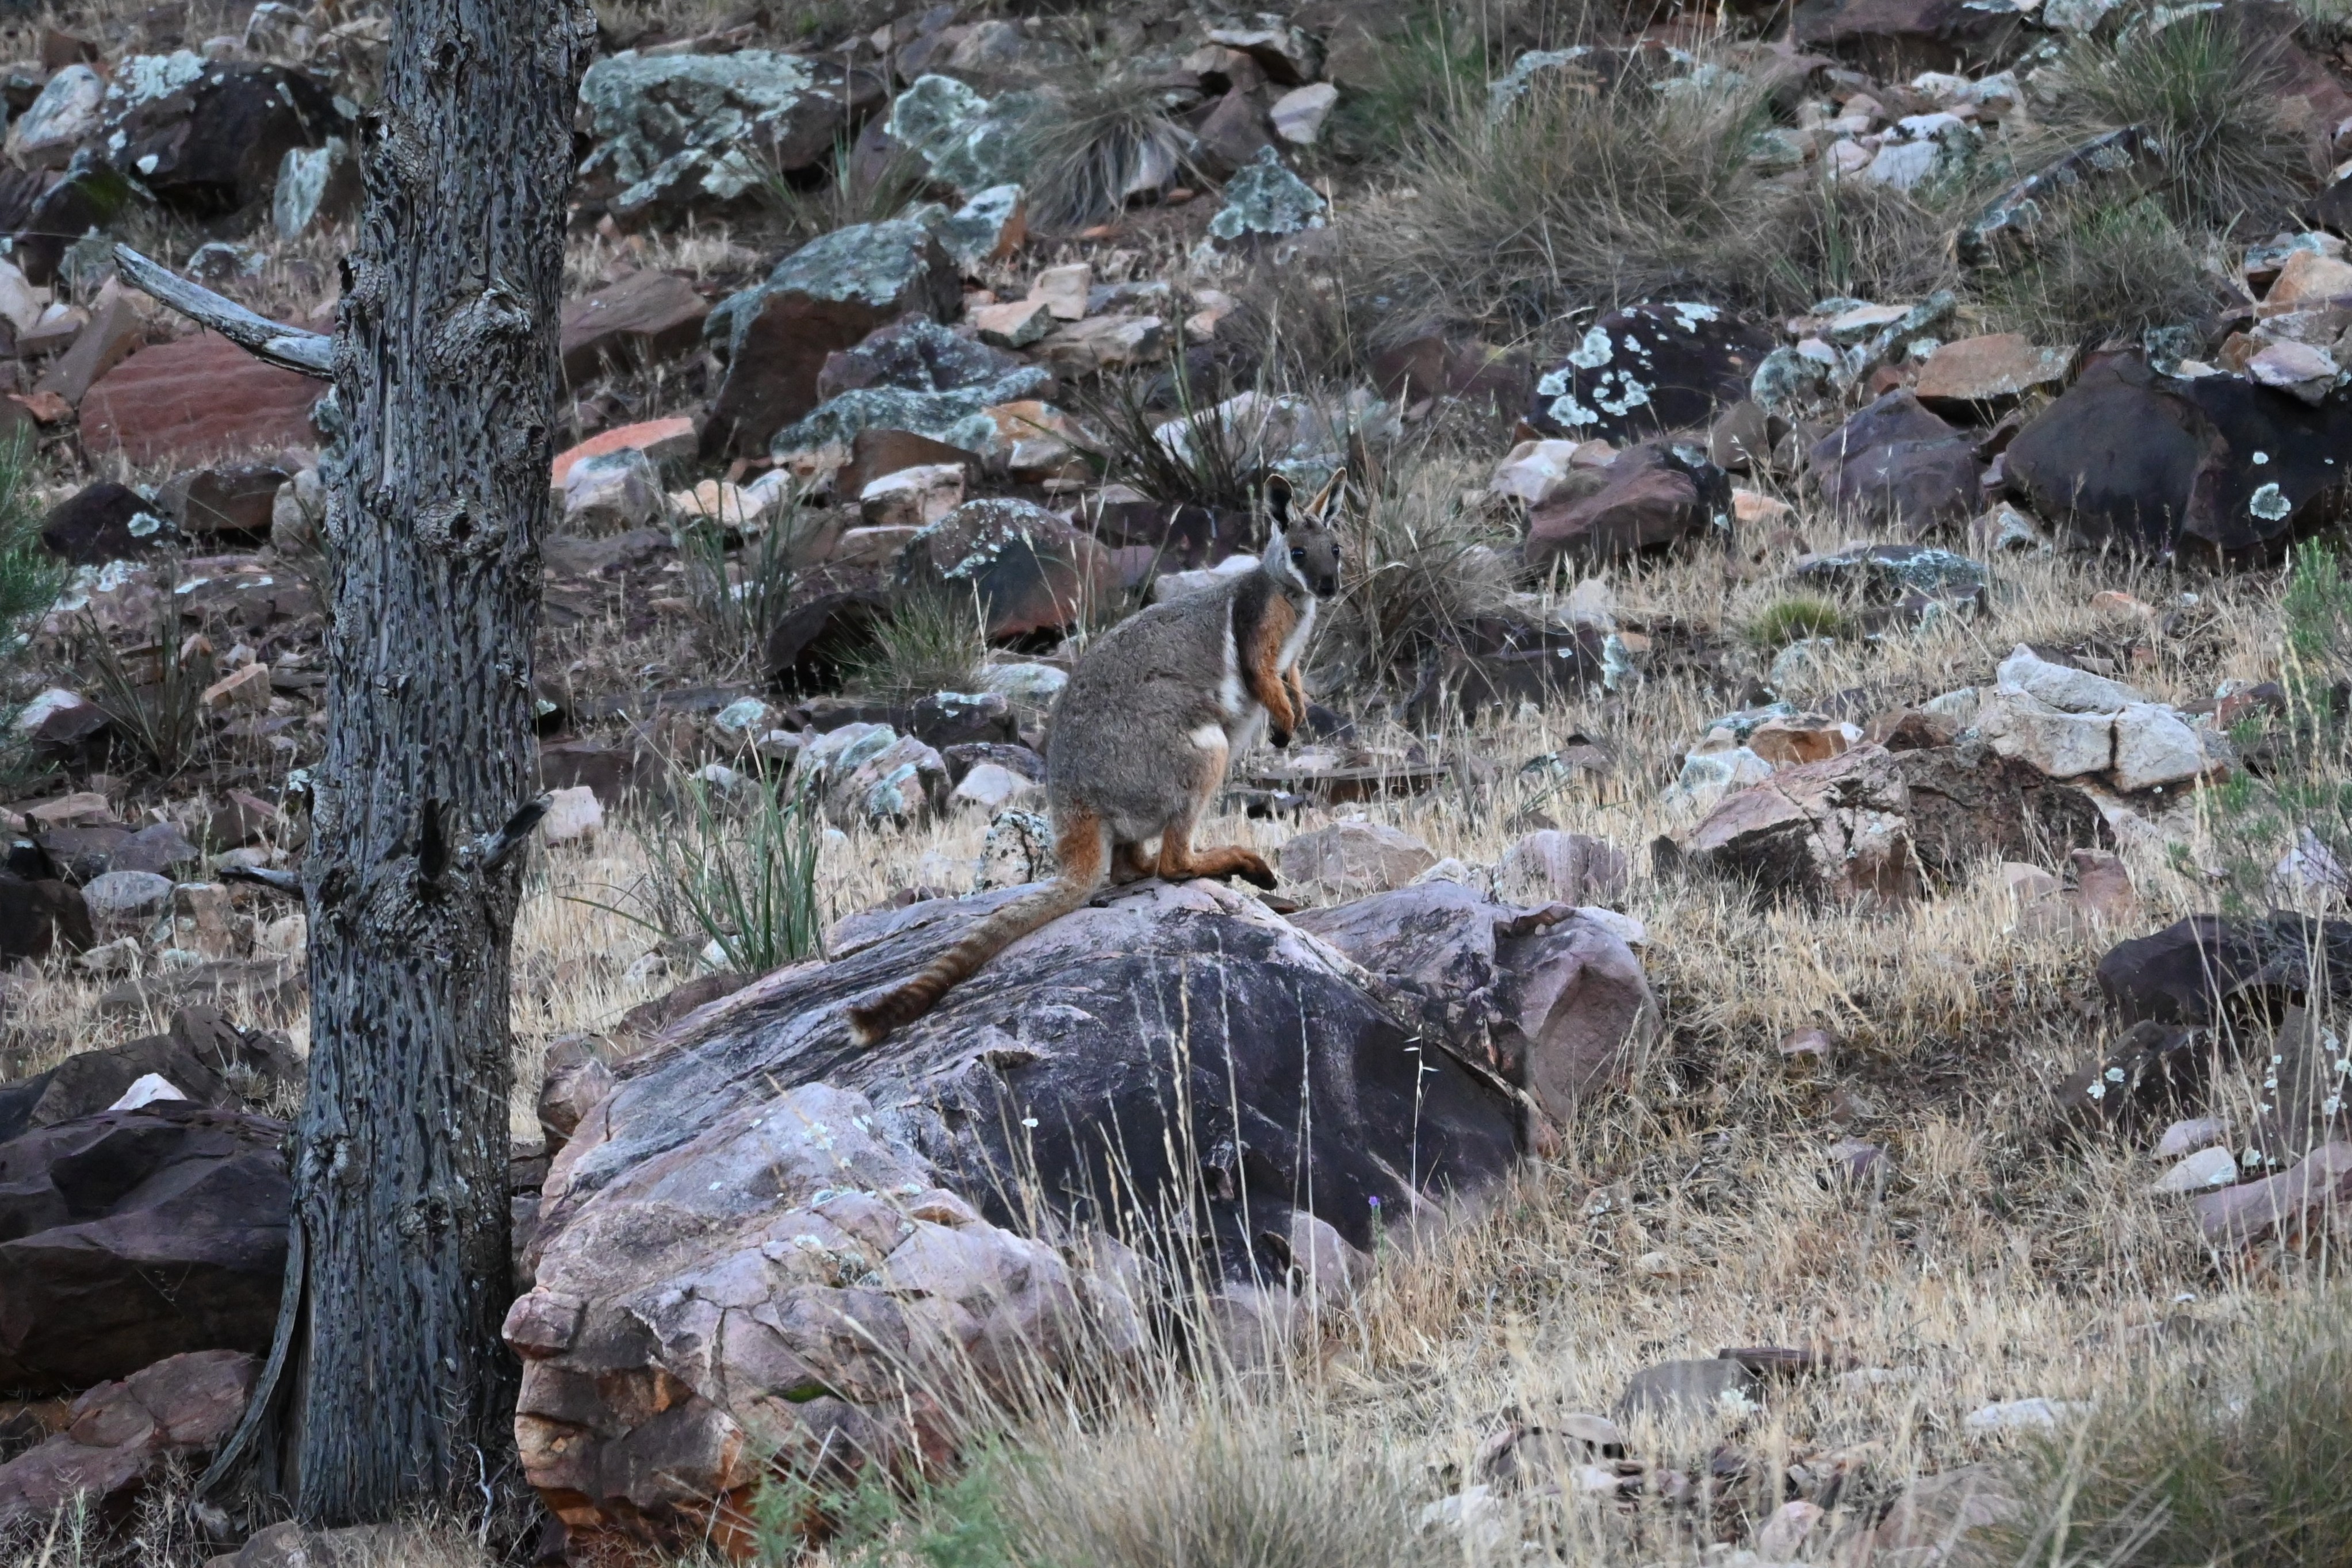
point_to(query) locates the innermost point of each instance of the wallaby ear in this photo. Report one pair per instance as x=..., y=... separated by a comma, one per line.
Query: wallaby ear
x=1277, y=500
x=1320, y=508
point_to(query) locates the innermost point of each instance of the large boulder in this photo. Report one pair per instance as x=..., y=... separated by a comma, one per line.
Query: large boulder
x=826, y=295
x=771, y=1244
x=121, y=1435
x=96, y=1212
x=1649, y=370
x=199, y=1055
x=1553, y=999
x=2150, y=462
x=1029, y=571
x=1650, y=498
x=195, y=400
x=2199, y=970
x=1897, y=468
x=207, y=137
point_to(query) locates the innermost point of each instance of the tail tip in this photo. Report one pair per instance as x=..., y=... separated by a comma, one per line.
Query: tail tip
x=869, y=1024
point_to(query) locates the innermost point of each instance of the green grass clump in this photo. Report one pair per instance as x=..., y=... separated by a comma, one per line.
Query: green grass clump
x=932, y=641
x=2099, y=271
x=2240, y=1455
x=2209, y=96
x=1794, y=620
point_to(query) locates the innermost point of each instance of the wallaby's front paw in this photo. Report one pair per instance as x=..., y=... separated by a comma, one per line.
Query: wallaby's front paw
x=1255, y=870
x=1281, y=738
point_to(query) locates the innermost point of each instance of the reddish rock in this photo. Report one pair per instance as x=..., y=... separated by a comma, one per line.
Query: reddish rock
x=195, y=400
x=111, y=337
x=118, y=1434
x=642, y=320
x=1650, y=498
x=2292, y=1206
x=98, y=1211
x=658, y=439
x=1996, y=369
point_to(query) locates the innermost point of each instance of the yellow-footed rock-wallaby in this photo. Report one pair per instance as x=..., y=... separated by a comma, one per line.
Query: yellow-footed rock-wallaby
x=1141, y=735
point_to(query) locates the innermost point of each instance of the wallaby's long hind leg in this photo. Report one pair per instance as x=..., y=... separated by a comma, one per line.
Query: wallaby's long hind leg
x=1180, y=862
x=1130, y=862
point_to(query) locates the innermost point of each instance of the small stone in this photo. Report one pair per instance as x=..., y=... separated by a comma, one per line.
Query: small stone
x=1064, y=289
x=2187, y=1137
x=1715, y=1387
x=610, y=493
x=2024, y=1415
x=1782, y=1537
x=246, y=690
x=122, y=898
x=2200, y=1172
x=574, y=814
x=1998, y=368
x=2064, y=687
x=1298, y=114
x=1015, y=324
x=912, y=498
x=2308, y=276
x=146, y=1090
x=990, y=787
x=1855, y=1160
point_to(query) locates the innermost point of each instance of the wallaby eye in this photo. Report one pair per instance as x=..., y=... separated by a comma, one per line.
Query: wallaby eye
x=1297, y=556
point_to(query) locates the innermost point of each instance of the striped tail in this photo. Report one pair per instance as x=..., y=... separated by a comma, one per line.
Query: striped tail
x=1085, y=857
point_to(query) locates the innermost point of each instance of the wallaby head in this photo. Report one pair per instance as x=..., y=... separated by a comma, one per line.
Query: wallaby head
x=1302, y=550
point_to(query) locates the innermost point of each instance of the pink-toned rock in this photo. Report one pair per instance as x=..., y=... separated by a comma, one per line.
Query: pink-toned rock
x=659, y=439
x=195, y=399
x=642, y=320
x=118, y=1434
x=2307, y=278
x=2291, y=1207
x=1831, y=830
x=1996, y=367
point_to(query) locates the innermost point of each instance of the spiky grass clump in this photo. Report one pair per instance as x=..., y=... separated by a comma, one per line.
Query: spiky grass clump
x=1092, y=149
x=1794, y=620
x=1418, y=567
x=2101, y=271
x=2209, y=95
x=848, y=193
x=932, y=641
x=1585, y=197
x=1214, y=456
x=2242, y=1457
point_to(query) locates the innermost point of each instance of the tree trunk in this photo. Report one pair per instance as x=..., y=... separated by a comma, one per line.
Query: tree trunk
x=392, y=1383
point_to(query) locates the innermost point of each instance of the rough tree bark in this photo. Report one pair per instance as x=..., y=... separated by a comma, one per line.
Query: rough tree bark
x=389, y=1382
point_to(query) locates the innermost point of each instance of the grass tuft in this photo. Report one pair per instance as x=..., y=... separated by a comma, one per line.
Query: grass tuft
x=1793, y=620
x=2242, y=1456
x=932, y=641
x=2102, y=271
x=2211, y=97
x=1092, y=148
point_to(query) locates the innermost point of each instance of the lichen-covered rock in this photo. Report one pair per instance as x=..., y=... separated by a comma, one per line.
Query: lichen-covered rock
x=966, y=141
x=1264, y=198
x=1905, y=585
x=674, y=132
x=206, y=136
x=65, y=115
x=1030, y=571
x=989, y=227
x=1650, y=369
x=916, y=376
x=315, y=186
x=826, y=295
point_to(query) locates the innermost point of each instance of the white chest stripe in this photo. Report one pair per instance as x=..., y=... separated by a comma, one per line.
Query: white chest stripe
x=1296, y=643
